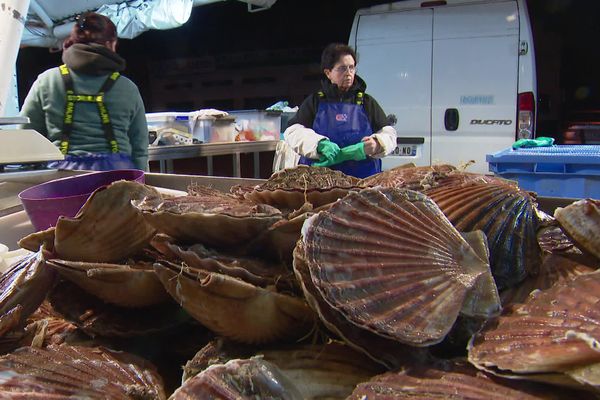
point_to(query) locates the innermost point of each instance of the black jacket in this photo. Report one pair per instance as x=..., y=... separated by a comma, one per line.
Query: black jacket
x=308, y=109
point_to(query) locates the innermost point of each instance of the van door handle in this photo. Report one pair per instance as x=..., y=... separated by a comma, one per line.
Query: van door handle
x=451, y=119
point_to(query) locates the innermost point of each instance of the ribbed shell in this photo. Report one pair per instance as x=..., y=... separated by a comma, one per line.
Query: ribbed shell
x=409, y=177
x=581, y=221
x=210, y=217
x=233, y=308
x=390, y=261
x=107, y=228
x=97, y=318
x=67, y=372
x=291, y=188
x=239, y=380
x=26, y=283
x=555, y=330
x=126, y=285
x=507, y=216
x=459, y=383
x=388, y=352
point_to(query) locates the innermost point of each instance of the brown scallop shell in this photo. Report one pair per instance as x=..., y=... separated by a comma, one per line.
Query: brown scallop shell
x=127, y=285
x=211, y=217
x=553, y=331
x=107, y=228
x=456, y=382
x=581, y=221
x=291, y=188
x=507, y=216
x=97, y=318
x=68, y=372
x=409, y=177
x=233, y=308
x=26, y=283
x=253, y=378
x=391, y=262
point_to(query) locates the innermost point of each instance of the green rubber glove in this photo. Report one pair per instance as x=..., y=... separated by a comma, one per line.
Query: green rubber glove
x=354, y=152
x=537, y=142
x=328, y=150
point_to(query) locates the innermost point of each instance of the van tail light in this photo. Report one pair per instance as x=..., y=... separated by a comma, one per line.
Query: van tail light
x=526, y=116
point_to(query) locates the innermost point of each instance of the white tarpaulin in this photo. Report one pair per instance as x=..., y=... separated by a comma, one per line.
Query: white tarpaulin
x=133, y=18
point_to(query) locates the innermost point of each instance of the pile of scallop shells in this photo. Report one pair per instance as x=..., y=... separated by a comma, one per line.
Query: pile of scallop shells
x=418, y=282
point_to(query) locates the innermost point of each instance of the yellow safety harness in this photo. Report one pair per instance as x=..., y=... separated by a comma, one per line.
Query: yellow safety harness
x=97, y=98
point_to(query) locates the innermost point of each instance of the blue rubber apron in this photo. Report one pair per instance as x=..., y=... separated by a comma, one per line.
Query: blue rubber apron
x=345, y=124
x=91, y=161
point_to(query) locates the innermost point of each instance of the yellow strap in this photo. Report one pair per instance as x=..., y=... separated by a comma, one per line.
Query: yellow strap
x=63, y=69
x=64, y=147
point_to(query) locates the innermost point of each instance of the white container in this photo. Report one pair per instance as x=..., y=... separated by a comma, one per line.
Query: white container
x=253, y=125
x=178, y=121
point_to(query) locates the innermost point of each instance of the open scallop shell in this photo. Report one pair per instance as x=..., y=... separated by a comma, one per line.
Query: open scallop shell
x=391, y=262
x=507, y=216
x=554, y=331
x=68, y=372
x=291, y=188
x=233, y=308
x=581, y=221
x=126, y=285
x=455, y=382
x=209, y=217
x=107, y=228
x=253, y=378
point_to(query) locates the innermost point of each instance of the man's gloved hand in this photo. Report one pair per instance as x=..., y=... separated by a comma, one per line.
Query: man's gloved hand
x=328, y=150
x=354, y=152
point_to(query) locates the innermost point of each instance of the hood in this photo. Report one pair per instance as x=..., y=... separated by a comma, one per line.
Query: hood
x=92, y=59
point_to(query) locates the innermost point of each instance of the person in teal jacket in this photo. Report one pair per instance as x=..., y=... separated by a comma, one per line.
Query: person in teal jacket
x=85, y=107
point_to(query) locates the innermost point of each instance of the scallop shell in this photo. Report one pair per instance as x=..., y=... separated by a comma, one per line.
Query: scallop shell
x=409, y=177
x=211, y=217
x=97, y=318
x=126, y=285
x=252, y=270
x=555, y=330
x=291, y=188
x=107, y=228
x=452, y=383
x=239, y=379
x=581, y=221
x=319, y=371
x=387, y=352
x=507, y=216
x=26, y=283
x=391, y=262
x=35, y=241
x=62, y=372
x=233, y=308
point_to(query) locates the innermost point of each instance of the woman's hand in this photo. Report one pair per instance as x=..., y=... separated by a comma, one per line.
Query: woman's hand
x=372, y=146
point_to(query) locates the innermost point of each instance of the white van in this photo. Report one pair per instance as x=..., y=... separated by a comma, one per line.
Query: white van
x=458, y=74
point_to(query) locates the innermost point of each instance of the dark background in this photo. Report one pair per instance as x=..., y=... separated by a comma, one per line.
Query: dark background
x=292, y=32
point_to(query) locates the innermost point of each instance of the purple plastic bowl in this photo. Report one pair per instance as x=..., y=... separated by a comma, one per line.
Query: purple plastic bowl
x=45, y=202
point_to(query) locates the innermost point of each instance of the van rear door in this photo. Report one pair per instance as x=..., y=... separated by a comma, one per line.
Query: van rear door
x=395, y=60
x=474, y=81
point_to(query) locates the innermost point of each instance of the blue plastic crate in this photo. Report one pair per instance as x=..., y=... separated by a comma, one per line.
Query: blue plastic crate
x=557, y=171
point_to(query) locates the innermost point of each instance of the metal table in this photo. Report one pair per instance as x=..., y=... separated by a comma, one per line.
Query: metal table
x=166, y=154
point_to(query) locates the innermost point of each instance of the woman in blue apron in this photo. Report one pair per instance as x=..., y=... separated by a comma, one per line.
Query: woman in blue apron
x=340, y=126
x=93, y=114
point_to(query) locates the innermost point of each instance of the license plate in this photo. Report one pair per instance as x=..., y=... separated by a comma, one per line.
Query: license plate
x=407, y=151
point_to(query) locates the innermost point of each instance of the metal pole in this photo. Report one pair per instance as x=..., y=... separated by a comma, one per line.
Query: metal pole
x=12, y=20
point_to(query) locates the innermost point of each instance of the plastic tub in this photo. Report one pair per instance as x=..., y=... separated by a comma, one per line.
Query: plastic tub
x=45, y=202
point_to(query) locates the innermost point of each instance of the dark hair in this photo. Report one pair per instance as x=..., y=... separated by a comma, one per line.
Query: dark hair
x=91, y=28
x=333, y=52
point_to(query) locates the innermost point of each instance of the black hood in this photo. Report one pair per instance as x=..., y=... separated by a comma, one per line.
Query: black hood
x=92, y=59
x=332, y=91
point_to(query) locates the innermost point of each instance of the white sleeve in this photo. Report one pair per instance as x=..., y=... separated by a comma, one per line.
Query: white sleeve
x=387, y=140
x=303, y=140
